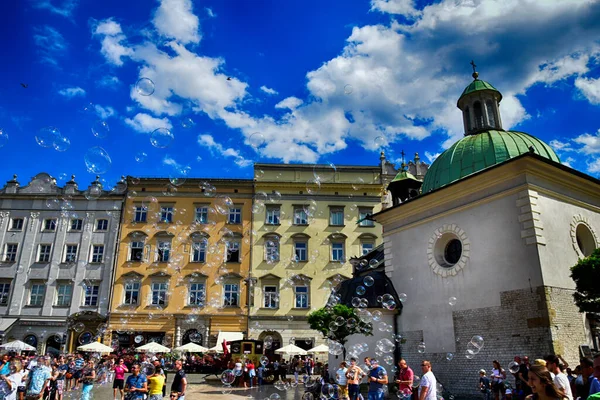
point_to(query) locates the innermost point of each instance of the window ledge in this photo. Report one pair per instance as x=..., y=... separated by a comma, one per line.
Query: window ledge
x=156, y=307
x=266, y=223
x=300, y=224
x=61, y=306
x=42, y=262
x=127, y=306
x=15, y=230
x=96, y=263
x=197, y=262
x=192, y=306
x=269, y=308
x=231, y=306
x=8, y=262
x=88, y=307
x=33, y=306
x=336, y=226
x=301, y=308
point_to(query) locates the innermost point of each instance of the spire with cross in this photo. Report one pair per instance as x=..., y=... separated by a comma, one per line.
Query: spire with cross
x=475, y=73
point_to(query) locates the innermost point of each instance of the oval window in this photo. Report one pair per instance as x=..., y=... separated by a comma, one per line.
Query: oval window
x=453, y=251
x=585, y=240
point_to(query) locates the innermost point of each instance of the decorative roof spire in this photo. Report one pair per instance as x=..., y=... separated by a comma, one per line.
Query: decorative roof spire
x=475, y=73
x=403, y=165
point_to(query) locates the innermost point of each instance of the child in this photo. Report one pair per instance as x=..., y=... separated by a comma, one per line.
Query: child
x=484, y=385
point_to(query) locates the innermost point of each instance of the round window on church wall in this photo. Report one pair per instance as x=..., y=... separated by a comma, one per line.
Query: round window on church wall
x=585, y=240
x=453, y=251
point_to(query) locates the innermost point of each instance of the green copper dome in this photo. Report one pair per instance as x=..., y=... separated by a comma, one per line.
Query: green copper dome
x=475, y=153
x=403, y=175
x=476, y=86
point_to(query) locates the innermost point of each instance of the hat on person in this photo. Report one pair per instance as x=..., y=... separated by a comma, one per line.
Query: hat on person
x=508, y=391
x=482, y=371
x=540, y=362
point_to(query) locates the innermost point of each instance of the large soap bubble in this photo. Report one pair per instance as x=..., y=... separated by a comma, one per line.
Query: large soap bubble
x=97, y=160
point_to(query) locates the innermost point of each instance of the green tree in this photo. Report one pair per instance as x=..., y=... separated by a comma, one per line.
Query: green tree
x=324, y=319
x=586, y=274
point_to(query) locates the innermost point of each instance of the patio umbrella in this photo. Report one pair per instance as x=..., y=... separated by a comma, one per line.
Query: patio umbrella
x=192, y=347
x=17, y=345
x=153, y=347
x=319, y=349
x=96, y=347
x=292, y=350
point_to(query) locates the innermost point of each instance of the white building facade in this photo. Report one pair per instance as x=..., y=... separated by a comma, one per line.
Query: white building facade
x=57, y=247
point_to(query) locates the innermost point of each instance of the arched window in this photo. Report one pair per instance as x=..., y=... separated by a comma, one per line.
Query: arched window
x=490, y=113
x=478, y=115
x=468, y=118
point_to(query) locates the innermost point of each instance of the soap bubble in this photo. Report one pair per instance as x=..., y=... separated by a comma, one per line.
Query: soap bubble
x=380, y=141
x=140, y=156
x=348, y=89
x=385, y=345
x=147, y=369
x=513, y=367
x=79, y=327
x=369, y=281
x=145, y=86
x=93, y=193
x=339, y=321
x=3, y=138
x=61, y=144
x=100, y=129
x=138, y=339
x=452, y=301
x=351, y=323
x=274, y=396
x=97, y=160
x=228, y=377
x=416, y=381
x=264, y=360
x=373, y=263
x=401, y=297
x=256, y=140
x=421, y=348
x=360, y=290
x=308, y=396
x=477, y=341
x=161, y=138
x=449, y=356
x=187, y=123
x=47, y=136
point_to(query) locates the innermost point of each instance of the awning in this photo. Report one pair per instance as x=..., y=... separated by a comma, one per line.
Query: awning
x=6, y=324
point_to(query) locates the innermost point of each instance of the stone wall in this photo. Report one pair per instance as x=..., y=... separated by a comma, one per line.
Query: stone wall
x=520, y=326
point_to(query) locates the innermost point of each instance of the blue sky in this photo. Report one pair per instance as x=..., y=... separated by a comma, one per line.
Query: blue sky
x=237, y=82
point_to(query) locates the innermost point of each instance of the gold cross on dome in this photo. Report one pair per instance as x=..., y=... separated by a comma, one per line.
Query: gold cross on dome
x=474, y=65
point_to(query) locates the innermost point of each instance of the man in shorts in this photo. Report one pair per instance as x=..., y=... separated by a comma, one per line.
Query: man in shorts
x=342, y=381
x=179, y=384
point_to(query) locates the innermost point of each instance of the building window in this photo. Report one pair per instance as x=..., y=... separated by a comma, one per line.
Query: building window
x=159, y=293
x=63, y=294
x=230, y=295
x=202, y=215
x=10, y=252
x=164, y=251
x=197, y=294
x=336, y=216
x=453, y=251
x=300, y=249
x=337, y=252
x=132, y=293
x=50, y=224
x=300, y=216
x=4, y=293
x=36, y=294
x=97, y=253
x=91, y=295
x=272, y=250
x=140, y=214
x=76, y=225
x=136, y=251
x=490, y=113
x=166, y=214
x=70, y=253
x=199, y=251
x=468, y=118
x=301, y=296
x=362, y=215
x=478, y=115
x=271, y=297
x=101, y=225
x=233, y=252
x=366, y=248
x=44, y=253
x=235, y=215
x=273, y=214
x=16, y=224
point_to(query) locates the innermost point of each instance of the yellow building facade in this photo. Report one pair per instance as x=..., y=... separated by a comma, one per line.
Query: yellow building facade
x=307, y=223
x=183, y=261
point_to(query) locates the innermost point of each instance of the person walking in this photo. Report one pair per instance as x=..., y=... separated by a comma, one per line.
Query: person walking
x=498, y=376
x=179, y=384
x=560, y=379
x=119, y=383
x=136, y=385
x=354, y=375
x=38, y=379
x=88, y=375
x=484, y=385
x=342, y=381
x=405, y=377
x=428, y=387
x=542, y=386
x=377, y=378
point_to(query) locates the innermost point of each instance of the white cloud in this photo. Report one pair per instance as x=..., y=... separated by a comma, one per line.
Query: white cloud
x=400, y=7
x=560, y=146
x=65, y=8
x=590, y=143
x=290, y=102
x=112, y=38
x=268, y=90
x=72, y=92
x=208, y=142
x=431, y=156
x=590, y=88
x=594, y=166
x=210, y=12
x=568, y=162
x=110, y=82
x=175, y=19
x=51, y=44
x=146, y=123
x=104, y=112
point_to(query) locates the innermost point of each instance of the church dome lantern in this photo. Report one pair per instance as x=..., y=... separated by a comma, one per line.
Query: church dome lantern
x=480, y=105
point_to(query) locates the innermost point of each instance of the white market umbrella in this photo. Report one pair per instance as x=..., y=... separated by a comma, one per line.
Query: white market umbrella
x=17, y=345
x=96, y=347
x=292, y=350
x=319, y=349
x=153, y=347
x=192, y=347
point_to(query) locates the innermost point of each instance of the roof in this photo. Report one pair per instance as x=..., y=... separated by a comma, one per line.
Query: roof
x=403, y=175
x=475, y=153
x=382, y=285
x=476, y=86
